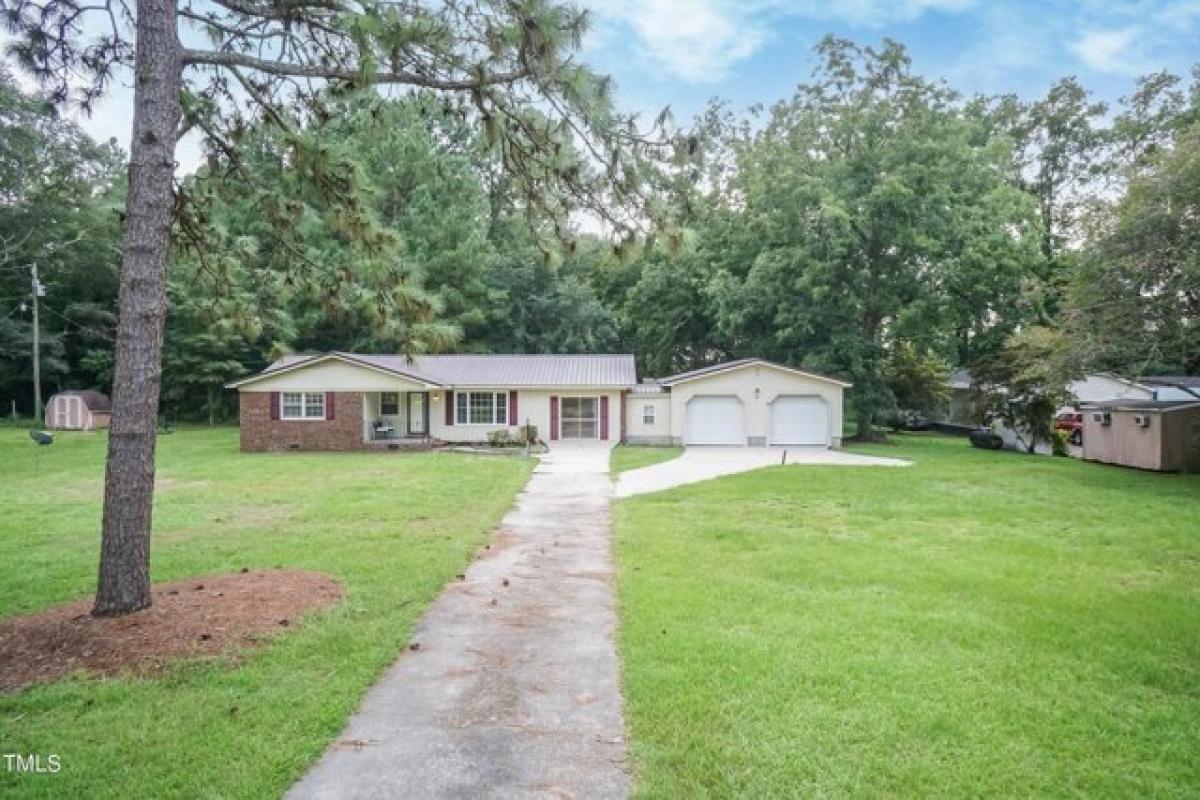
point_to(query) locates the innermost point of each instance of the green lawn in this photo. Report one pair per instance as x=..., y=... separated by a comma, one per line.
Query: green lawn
x=392, y=528
x=626, y=456
x=980, y=624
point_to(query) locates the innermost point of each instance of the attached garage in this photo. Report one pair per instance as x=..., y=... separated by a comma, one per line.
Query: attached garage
x=715, y=419
x=799, y=420
x=756, y=403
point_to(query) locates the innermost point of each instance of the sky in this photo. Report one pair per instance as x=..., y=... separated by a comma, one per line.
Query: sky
x=681, y=53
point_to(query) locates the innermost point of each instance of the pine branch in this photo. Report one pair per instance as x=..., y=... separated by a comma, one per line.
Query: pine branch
x=193, y=57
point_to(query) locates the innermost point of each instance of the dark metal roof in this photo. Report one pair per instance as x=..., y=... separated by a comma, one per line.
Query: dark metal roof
x=95, y=401
x=743, y=362
x=503, y=370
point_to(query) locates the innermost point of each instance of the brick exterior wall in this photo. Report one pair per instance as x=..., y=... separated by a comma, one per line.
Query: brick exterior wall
x=260, y=433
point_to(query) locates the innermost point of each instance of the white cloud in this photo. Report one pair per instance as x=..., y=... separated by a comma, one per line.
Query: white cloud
x=695, y=40
x=701, y=40
x=1109, y=51
x=872, y=13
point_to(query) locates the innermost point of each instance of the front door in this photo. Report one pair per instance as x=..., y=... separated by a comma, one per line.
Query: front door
x=416, y=413
x=580, y=418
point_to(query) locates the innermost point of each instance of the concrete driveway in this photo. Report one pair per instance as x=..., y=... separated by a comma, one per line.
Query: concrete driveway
x=514, y=691
x=701, y=463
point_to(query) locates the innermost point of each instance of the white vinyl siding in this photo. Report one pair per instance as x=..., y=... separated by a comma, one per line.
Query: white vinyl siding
x=302, y=405
x=481, y=408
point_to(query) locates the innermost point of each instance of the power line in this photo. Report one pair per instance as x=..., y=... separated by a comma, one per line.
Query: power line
x=99, y=333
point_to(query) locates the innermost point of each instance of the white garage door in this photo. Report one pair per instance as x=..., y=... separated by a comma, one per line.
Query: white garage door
x=799, y=420
x=713, y=419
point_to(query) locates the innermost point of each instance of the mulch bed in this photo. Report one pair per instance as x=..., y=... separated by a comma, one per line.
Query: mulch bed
x=194, y=618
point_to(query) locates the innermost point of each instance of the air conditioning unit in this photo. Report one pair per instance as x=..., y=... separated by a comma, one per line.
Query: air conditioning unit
x=1141, y=420
x=1103, y=417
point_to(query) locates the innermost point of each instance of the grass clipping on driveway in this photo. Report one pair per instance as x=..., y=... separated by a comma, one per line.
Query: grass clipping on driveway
x=391, y=529
x=979, y=624
x=199, y=617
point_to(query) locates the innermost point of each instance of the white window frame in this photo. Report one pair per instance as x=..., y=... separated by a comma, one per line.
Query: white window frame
x=649, y=414
x=499, y=400
x=305, y=405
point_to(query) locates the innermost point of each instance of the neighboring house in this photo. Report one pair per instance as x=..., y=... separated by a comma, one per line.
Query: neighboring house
x=1159, y=435
x=959, y=409
x=344, y=401
x=1093, y=388
x=80, y=410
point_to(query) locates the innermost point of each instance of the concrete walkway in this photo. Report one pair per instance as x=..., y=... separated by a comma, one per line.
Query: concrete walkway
x=700, y=463
x=514, y=691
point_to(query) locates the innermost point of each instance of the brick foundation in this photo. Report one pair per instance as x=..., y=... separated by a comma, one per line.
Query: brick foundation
x=260, y=433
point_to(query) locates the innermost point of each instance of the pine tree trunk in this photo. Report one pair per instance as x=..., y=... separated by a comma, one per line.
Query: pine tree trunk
x=124, y=584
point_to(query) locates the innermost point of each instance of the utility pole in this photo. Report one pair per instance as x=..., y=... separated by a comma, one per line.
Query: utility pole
x=38, y=291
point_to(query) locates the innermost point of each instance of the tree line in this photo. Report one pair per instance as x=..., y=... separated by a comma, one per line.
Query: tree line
x=876, y=225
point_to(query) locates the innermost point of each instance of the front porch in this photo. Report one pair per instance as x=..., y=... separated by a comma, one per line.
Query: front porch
x=395, y=420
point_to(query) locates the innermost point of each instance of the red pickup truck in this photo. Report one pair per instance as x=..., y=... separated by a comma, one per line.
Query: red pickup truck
x=1072, y=423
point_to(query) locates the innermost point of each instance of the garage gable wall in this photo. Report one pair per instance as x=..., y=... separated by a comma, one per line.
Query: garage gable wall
x=770, y=384
x=333, y=376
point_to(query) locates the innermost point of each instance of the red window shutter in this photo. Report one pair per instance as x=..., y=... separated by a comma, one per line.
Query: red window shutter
x=329, y=412
x=553, y=417
x=512, y=408
x=274, y=405
x=449, y=408
x=604, y=417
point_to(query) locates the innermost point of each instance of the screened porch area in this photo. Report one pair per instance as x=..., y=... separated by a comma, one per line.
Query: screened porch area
x=396, y=417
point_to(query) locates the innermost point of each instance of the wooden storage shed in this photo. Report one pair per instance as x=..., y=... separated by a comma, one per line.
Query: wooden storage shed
x=1161, y=435
x=80, y=410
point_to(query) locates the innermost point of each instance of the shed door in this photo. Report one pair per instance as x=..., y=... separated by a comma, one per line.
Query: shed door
x=713, y=419
x=67, y=412
x=799, y=420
